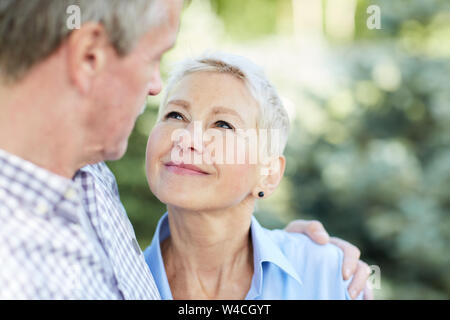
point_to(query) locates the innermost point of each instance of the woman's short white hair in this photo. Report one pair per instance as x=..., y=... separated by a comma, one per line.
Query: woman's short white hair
x=272, y=114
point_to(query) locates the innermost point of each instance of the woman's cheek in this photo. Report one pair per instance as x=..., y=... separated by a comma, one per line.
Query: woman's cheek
x=239, y=178
x=155, y=147
x=159, y=139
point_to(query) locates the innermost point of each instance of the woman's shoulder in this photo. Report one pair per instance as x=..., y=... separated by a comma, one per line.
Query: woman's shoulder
x=318, y=266
x=298, y=244
x=311, y=260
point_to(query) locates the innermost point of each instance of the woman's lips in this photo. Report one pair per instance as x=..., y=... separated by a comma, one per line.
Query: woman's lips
x=184, y=169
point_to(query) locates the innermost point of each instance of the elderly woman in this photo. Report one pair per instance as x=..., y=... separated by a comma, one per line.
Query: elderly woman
x=201, y=164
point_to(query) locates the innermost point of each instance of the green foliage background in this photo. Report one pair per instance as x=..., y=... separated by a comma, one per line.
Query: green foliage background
x=369, y=151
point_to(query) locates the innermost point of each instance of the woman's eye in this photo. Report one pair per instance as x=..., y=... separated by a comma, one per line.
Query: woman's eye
x=223, y=124
x=174, y=115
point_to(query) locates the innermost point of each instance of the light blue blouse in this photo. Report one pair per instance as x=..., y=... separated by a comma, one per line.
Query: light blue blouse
x=286, y=265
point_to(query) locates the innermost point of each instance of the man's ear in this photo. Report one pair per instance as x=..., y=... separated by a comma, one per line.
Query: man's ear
x=88, y=49
x=270, y=176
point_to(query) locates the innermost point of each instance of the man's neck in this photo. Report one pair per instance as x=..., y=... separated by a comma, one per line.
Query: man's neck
x=35, y=128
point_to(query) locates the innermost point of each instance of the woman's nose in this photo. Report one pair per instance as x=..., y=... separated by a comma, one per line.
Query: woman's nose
x=191, y=139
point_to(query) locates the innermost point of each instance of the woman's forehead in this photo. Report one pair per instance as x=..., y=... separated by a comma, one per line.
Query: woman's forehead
x=214, y=91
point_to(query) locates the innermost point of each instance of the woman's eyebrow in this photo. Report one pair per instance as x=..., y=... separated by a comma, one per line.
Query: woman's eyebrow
x=215, y=110
x=219, y=109
x=182, y=103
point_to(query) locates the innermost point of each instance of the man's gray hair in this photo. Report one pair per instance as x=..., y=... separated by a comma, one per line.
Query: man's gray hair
x=31, y=30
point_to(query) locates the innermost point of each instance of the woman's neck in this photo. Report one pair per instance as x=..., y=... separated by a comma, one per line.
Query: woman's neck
x=209, y=254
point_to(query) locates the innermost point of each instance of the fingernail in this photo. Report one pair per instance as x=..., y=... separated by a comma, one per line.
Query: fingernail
x=353, y=294
x=321, y=234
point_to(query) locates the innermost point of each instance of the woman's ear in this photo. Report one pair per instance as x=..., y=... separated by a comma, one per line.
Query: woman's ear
x=270, y=177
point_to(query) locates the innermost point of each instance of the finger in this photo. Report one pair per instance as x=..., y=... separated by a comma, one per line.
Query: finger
x=351, y=256
x=297, y=226
x=359, y=279
x=368, y=293
x=317, y=232
x=313, y=229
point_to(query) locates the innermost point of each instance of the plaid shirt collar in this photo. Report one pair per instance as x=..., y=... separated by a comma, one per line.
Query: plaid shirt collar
x=84, y=219
x=38, y=188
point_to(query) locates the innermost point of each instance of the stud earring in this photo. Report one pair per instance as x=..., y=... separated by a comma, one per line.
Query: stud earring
x=261, y=194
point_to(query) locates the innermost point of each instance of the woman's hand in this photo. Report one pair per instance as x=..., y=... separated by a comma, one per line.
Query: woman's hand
x=351, y=266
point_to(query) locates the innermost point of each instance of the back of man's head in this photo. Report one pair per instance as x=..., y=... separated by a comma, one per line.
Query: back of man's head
x=31, y=30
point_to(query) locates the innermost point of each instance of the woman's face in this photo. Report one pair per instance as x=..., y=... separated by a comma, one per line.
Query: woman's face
x=197, y=157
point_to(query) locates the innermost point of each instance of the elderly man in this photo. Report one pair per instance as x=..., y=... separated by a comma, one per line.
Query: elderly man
x=68, y=101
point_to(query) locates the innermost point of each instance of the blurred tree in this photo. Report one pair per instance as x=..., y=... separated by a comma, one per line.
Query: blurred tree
x=385, y=186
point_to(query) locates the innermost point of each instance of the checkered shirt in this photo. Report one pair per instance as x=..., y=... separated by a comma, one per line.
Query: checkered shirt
x=67, y=239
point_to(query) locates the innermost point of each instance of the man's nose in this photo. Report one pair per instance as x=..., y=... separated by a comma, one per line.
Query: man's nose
x=155, y=84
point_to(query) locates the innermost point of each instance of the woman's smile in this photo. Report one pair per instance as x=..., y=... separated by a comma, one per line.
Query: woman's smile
x=184, y=169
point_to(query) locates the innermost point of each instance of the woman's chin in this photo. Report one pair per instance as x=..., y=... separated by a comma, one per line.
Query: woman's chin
x=187, y=206
x=179, y=187
x=185, y=201
x=180, y=201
